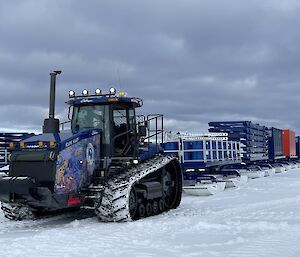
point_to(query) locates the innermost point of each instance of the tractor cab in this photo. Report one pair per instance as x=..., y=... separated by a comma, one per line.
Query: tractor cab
x=115, y=118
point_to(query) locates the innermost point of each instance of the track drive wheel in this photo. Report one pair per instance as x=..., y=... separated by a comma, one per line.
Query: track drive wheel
x=142, y=210
x=170, y=186
x=155, y=207
x=133, y=203
x=148, y=209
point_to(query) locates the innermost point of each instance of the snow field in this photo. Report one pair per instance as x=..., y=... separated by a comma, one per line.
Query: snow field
x=261, y=218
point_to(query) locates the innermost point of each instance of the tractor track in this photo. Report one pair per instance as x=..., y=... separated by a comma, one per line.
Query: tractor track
x=115, y=200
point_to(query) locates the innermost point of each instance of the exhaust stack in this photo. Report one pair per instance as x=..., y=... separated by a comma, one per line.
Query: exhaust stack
x=51, y=125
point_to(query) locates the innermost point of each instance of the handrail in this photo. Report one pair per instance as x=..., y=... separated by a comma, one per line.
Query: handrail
x=62, y=124
x=157, y=130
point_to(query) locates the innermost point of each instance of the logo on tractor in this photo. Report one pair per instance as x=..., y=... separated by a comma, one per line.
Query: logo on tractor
x=72, y=142
x=86, y=101
x=90, y=154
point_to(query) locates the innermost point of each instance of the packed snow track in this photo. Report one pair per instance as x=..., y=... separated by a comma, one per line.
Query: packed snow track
x=261, y=218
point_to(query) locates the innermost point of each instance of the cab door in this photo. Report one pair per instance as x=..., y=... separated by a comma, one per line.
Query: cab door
x=124, y=137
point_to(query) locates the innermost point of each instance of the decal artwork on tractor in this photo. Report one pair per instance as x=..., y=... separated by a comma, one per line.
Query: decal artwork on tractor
x=75, y=165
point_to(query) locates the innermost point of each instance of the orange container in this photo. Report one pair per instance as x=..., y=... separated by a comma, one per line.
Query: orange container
x=289, y=143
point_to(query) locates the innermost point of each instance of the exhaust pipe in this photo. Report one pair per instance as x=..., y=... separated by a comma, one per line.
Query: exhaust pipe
x=51, y=125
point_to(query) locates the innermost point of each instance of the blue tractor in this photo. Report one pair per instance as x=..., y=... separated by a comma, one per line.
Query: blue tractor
x=109, y=161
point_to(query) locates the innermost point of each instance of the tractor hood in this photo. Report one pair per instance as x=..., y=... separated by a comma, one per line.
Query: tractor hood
x=58, y=141
x=51, y=167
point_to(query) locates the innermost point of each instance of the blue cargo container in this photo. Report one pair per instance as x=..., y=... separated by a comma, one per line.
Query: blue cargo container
x=298, y=146
x=275, y=144
x=253, y=138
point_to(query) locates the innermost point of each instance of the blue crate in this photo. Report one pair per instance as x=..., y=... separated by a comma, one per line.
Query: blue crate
x=189, y=145
x=192, y=156
x=252, y=136
x=170, y=146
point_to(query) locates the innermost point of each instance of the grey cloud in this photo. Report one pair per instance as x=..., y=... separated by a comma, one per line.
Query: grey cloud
x=194, y=61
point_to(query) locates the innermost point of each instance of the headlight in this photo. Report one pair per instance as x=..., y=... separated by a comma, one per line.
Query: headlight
x=98, y=91
x=71, y=93
x=85, y=92
x=52, y=143
x=112, y=91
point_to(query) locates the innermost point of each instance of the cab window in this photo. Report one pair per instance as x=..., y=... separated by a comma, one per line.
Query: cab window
x=87, y=117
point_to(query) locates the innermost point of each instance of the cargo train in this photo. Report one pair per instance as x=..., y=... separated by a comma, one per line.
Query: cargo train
x=233, y=150
x=123, y=166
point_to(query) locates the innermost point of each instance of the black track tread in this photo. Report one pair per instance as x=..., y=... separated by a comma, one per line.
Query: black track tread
x=115, y=199
x=16, y=212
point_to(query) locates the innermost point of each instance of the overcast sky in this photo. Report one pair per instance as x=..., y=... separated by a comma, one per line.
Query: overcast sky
x=194, y=61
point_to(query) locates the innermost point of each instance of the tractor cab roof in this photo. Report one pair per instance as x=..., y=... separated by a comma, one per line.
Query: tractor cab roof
x=103, y=99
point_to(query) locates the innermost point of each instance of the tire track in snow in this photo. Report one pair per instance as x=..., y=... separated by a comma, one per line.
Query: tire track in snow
x=271, y=245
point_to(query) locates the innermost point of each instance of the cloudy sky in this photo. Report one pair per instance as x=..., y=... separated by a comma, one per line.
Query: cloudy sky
x=193, y=60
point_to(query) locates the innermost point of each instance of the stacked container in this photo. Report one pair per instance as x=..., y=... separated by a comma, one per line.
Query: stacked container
x=253, y=138
x=298, y=146
x=275, y=144
x=5, y=139
x=289, y=143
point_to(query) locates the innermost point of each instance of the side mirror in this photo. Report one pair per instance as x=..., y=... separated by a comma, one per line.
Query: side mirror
x=142, y=131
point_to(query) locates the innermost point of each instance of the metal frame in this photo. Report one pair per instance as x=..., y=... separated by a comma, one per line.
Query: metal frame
x=233, y=153
x=155, y=127
x=3, y=157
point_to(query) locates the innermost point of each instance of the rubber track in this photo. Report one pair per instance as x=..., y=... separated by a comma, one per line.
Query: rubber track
x=16, y=212
x=115, y=200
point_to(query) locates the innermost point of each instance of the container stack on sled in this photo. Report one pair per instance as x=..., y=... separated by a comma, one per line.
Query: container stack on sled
x=233, y=152
x=253, y=138
x=198, y=154
x=254, y=145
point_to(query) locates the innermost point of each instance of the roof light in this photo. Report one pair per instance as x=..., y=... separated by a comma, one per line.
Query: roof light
x=22, y=144
x=85, y=92
x=11, y=145
x=52, y=143
x=71, y=93
x=122, y=94
x=41, y=144
x=98, y=91
x=112, y=91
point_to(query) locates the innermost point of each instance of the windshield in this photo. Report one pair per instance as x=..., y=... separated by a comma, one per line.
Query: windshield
x=85, y=117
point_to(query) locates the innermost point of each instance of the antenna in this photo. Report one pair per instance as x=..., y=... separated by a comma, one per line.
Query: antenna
x=119, y=78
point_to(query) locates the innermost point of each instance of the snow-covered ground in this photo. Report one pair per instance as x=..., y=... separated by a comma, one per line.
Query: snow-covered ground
x=259, y=219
